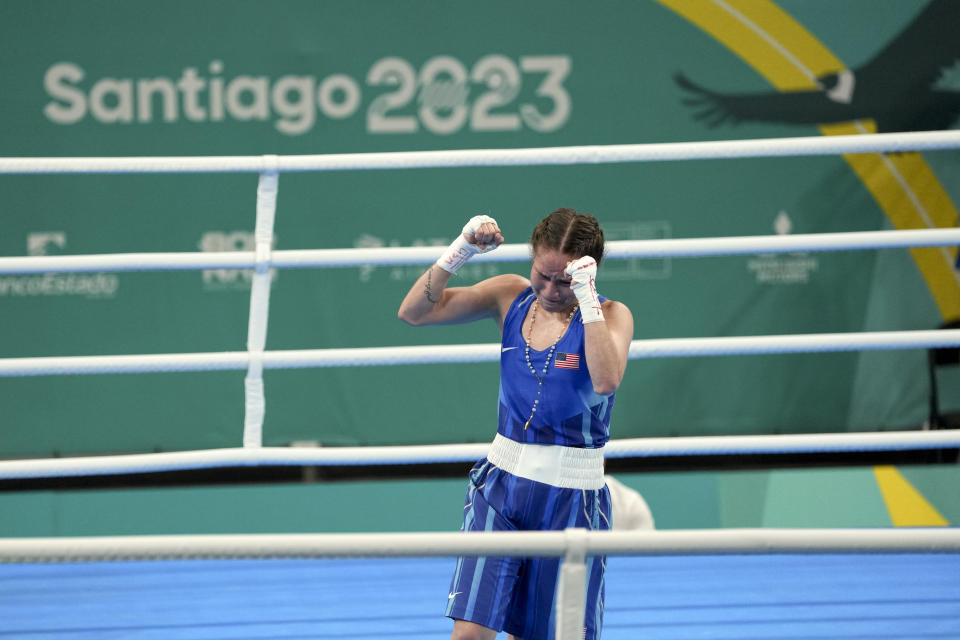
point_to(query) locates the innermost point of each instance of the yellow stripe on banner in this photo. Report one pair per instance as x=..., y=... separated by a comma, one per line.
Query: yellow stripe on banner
x=763, y=54
x=790, y=58
x=921, y=204
x=906, y=505
x=765, y=37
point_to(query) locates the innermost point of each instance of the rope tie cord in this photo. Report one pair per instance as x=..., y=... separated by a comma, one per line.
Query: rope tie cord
x=254, y=394
x=571, y=597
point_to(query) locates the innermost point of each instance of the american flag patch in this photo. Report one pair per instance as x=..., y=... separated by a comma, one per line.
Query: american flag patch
x=567, y=361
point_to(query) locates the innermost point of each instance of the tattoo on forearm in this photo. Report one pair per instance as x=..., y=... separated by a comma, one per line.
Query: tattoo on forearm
x=427, y=289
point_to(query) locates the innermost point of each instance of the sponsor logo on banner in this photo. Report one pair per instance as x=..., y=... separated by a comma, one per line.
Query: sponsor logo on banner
x=229, y=279
x=443, y=96
x=46, y=243
x=783, y=269
x=636, y=268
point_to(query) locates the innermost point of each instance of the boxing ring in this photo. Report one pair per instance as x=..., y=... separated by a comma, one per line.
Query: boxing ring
x=882, y=583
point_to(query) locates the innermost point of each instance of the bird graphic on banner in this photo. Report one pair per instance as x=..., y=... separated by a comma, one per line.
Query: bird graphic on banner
x=897, y=88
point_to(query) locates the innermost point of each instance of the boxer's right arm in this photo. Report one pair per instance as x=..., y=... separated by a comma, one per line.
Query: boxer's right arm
x=429, y=301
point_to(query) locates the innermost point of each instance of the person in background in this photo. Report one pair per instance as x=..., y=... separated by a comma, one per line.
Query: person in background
x=630, y=510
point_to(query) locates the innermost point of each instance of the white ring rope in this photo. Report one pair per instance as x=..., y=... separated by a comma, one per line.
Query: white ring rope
x=467, y=453
x=501, y=543
x=490, y=352
x=616, y=249
x=255, y=358
x=573, y=545
x=595, y=154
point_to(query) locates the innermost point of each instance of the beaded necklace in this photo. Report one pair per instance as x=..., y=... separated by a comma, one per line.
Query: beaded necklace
x=546, y=363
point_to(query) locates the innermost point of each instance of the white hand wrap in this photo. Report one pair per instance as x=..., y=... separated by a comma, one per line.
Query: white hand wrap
x=460, y=250
x=583, y=273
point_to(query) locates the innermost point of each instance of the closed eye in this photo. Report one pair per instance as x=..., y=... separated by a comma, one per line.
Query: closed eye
x=555, y=281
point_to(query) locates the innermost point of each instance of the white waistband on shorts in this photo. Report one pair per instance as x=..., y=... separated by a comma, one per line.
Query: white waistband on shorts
x=567, y=467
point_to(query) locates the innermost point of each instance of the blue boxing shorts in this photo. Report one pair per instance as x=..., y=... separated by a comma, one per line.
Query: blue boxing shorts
x=517, y=595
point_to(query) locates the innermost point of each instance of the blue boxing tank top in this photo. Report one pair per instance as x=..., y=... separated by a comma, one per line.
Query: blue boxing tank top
x=570, y=413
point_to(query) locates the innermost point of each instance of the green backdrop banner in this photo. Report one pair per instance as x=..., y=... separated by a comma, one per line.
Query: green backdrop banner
x=138, y=78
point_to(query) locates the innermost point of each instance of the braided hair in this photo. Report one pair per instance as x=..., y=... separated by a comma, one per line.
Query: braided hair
x=571, y=233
